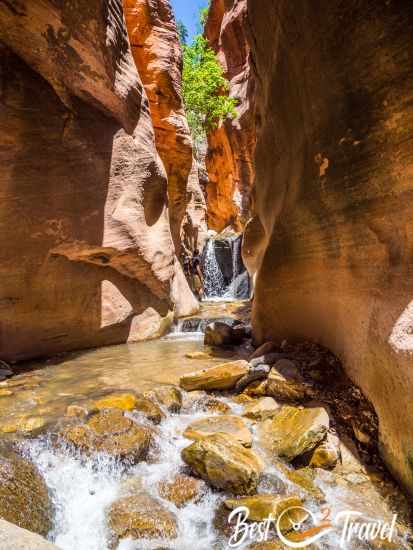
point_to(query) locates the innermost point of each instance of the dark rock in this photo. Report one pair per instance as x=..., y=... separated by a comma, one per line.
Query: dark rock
x=260, y=372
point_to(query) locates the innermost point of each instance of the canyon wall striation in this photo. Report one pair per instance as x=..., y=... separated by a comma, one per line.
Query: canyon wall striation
x=158, y=56
x=331, y=242
x=86, y=255
x=231, y=146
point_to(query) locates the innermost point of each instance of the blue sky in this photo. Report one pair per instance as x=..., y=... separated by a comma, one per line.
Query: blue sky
x=187, y=11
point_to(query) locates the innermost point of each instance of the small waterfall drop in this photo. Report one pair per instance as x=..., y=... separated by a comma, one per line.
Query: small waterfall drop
x=225, y=275
x=214, y=280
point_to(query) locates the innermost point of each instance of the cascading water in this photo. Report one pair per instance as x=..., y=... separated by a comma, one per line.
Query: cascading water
x=225, y=275
x=214, y=286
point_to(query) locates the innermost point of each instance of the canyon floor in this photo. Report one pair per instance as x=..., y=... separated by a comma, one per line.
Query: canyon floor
x=120, y=438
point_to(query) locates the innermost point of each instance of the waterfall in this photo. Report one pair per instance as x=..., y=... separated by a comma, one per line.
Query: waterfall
x=225, y=275
x=214, y=280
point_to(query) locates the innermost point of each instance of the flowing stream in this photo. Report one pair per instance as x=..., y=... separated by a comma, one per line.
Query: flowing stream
x=84, y=487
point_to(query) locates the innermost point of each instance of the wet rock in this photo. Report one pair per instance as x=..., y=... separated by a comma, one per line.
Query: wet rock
x=264, y=349
x=225, y=464
x=232, y=426
x=294, y=431
x=223, y=334
x=285, y=382
x=25, y=425
x=77, y=411
x=261, y=409
x=111, y=432
x=220, y=377
x=125, y=401
x=261, y=506
x=12, y=536
x=243, y=399
x=139, y=517
x=168, y=396
x=202, y=401
x=260, y=372
x=181, y=489
x=149, y=409
x=303, y=479
x=326, y=454
x=215, y=406
x=24, y=498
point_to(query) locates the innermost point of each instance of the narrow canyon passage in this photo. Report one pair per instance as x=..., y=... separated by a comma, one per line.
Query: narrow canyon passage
x=205, y=286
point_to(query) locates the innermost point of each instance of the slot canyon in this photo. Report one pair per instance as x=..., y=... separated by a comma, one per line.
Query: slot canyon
x=189, y=325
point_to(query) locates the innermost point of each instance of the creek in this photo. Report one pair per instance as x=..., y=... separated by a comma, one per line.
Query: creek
x=83, y=487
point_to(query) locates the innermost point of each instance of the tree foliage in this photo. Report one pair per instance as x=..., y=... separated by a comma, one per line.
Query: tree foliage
x=205, y=89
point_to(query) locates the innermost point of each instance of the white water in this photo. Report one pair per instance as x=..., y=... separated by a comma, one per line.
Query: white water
x=214, y=281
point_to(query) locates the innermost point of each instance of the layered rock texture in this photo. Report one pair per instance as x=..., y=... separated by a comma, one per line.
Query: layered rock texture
x=331, y=241
x=231, y=146
x=158, y=56
x=86, y=254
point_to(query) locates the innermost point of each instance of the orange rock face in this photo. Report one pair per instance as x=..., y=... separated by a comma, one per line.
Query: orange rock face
x=158, y=56
x=231, y=146
x=332, y=238
x=86, y=252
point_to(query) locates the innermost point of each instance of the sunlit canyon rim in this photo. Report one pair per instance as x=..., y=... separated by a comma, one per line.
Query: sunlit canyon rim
x=300, y=206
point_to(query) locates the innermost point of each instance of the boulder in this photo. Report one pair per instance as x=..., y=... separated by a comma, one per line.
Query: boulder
x=24, y=498
x=220, y=377
x=285, y=381
x=149, y=409
x=168, y=396
x=125, y=401
x=223, y=334
x=232, y=426
x=326, y=454
x=12, y=536
x=202, y=401
x=294, y=431
x=181, y=489
x=261, y=409
x=141, y=516
x=268, y=358
x=111, y=432
x=261, y=506
x=224, y=463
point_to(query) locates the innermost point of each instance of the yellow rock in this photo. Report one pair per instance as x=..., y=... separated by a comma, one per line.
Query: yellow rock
x=261, y=409
x=5, y=393
x=326, y=454
x=233, y=426
x=123, y=401
x=141, y=517
x=220, y=377
x=25, y=424
x=111, y=432
x=149, y=409
x=168, y=396
x=181, y=489
x=285, y=382
x=261, y=506
x=256, y=389
x=243, y=399
x=294, y=431
x=224, y=463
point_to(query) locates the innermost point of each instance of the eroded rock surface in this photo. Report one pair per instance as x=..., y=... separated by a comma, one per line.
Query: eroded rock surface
x=330, y=239
x=94, y=261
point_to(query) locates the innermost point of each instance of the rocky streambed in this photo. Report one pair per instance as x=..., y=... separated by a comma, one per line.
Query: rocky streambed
x=154, y=445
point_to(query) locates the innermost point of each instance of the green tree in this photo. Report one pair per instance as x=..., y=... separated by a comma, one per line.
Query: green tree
x=205, y=89
x=183, y=32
